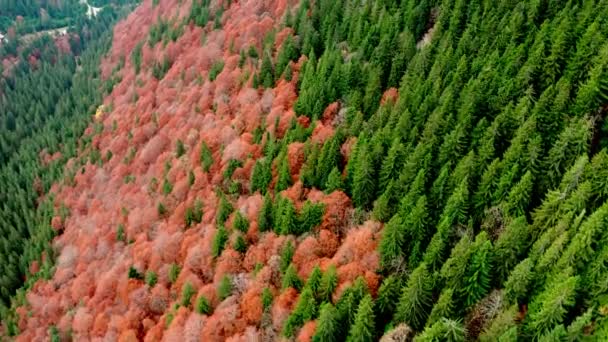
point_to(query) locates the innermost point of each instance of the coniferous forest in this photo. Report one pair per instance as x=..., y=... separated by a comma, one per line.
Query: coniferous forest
x=313, y=170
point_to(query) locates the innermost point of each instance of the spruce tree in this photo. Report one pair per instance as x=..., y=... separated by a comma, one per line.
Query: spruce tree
x=363, y=329
x=388, y=296
x=224, y=210
x=267, y=71
x=261, y=176
x=443, y=330
x=444, y=307
x=551, y=306
x=240, y=222
x=329, y=283
x=187, y=293
x=286, y=222
x=391, y=165
x=327, y=325
x=284, y=178
x=314, y=282
x=392, y=243
x=291, y=279
x=334, y=181
x=219, y=242
x=416, y=299
x=224, y=289
x=305, y=310
x=311, y=216
x=203, y=306
x=364, y=185
x=286, y=256
x=266, y=214
x=478, y=275
x=206, y=157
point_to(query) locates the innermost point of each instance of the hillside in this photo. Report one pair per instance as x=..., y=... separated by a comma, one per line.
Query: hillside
x=323, y=170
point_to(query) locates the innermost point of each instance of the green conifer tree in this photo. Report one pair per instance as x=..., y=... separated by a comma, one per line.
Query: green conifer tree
x=266, y=214
x=203, y=306
x=219, y=242
x=363, y=329
x=327, y=325
x=206, y=157
x=224, y=289
x=286, y=256
x=329, y=283
x=416, y=298
x=305, y=310
x=334, y=181
x=444, y=307
x=291, y=279
x=284, y=178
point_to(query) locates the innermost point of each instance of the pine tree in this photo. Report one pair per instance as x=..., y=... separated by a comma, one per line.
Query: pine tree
x=151, y=278
x=388, y=295
x=167, y=187
x=576, y=329
x=288, y=73
x=327, y=325
x=363, y=328
x=416, y=224
x=174, y=273
x=328, y=159
x=308, y=173
x=519, y=196
x=287, y=53
x=416, y=298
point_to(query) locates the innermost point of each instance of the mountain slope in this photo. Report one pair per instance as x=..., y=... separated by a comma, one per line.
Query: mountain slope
x=334, y=170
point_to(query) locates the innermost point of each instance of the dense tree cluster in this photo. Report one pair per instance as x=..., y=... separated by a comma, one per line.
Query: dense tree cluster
x=474, y=131
x=487, y=169
x=44, y=108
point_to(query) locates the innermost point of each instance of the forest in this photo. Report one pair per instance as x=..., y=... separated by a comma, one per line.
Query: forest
x=45, y=105
x=318, y=170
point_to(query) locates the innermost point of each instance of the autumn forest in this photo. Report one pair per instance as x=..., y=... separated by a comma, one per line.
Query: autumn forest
x=304, y=170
